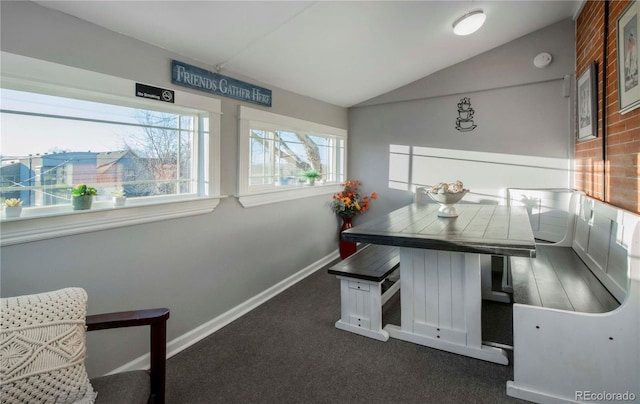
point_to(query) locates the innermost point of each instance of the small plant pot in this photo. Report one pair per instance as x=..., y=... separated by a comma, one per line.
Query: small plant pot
x=12, y=211
x=82, y=202
x=119, y=201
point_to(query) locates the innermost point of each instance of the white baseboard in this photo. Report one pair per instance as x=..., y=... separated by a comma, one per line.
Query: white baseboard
x=184, y=341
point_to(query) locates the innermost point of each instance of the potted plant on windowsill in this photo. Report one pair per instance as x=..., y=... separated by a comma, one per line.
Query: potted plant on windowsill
x=13, y=207
x=83, y=196
x=119, y=198
x=312, y=176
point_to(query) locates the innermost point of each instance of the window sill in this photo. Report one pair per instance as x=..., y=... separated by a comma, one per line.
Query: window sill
x=100, y=217
x=281, y=195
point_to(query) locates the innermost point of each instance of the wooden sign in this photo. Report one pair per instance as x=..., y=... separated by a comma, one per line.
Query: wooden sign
x=199, y=79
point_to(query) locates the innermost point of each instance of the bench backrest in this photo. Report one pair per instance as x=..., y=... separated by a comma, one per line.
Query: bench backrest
x=603, y=235
x=549, y=211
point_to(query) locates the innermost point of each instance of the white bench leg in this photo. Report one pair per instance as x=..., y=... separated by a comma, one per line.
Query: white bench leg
x=507, y=284
x=487, y=289
x=393, y=288
x=361, y=308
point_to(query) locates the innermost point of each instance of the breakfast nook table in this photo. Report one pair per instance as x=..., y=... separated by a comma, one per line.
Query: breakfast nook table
x=440, y=271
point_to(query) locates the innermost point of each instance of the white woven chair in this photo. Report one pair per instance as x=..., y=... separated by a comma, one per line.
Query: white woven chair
x=42, y=352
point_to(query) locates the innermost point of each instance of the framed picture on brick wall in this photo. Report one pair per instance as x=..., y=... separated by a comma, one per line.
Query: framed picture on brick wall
x=627, y=52
x=587, y=104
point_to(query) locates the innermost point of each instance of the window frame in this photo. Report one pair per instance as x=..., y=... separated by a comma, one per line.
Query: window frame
x=26, y=74
x=261, y=195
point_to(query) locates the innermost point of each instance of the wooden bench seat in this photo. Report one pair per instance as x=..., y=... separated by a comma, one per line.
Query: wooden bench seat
x=558, y=279
x=365, y=287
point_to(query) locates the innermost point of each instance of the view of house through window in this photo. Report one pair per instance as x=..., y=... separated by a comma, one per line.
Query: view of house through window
x=50, y=144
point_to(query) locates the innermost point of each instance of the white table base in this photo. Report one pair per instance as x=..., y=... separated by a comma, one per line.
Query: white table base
x=441, y=303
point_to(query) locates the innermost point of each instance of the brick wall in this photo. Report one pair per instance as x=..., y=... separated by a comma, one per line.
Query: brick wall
x=613, y=176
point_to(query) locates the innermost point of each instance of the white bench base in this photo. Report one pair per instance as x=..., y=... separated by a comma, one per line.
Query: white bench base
x=361, y=307
x=590, y=353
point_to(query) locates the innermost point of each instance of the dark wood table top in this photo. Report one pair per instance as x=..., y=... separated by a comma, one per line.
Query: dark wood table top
x=484, y=229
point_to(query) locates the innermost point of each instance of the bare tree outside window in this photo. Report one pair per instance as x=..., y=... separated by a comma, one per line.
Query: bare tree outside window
x=163, y=153
x=282, y=156
x=310, y=160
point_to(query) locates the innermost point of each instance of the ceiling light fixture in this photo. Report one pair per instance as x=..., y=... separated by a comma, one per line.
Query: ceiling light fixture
x=469, y=23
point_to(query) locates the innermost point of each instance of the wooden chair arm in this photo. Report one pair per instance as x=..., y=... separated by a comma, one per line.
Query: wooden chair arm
x=157, y=320
x=126, y=319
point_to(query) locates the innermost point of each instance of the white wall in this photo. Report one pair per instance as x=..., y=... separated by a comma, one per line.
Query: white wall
x=199, y=267
x=523, y=117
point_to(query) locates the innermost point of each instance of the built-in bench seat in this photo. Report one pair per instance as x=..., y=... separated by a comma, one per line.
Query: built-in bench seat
x=365, y=285
x=550, y=215
x=576, y=316
x=558, y=279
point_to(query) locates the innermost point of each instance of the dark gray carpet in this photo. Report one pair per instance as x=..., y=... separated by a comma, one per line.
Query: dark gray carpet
x=288, y=351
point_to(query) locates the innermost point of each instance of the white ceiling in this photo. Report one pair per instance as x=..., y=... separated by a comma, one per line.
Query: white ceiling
x=341, y=52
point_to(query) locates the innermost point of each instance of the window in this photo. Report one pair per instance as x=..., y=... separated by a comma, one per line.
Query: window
x=278, y=153
x=81, y=127
x=51, y=143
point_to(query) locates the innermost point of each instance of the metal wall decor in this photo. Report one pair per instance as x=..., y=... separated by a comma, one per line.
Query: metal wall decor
x=464, y=121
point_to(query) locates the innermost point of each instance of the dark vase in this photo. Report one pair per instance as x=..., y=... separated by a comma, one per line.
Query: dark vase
x=347, y=248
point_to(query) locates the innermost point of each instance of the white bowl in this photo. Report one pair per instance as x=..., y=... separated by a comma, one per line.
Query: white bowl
x=448, y=198
x=446, y=201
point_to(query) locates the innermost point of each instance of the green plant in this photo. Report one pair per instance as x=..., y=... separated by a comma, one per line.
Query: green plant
x=312, y=174
x=12, y=202
x=82, y=189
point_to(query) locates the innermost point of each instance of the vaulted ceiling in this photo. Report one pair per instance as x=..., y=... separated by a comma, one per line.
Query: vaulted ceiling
x=341, y=52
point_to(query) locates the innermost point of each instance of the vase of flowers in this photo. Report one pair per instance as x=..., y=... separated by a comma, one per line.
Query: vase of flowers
x=82, y=196
x=347, y=204
x=13, y=207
